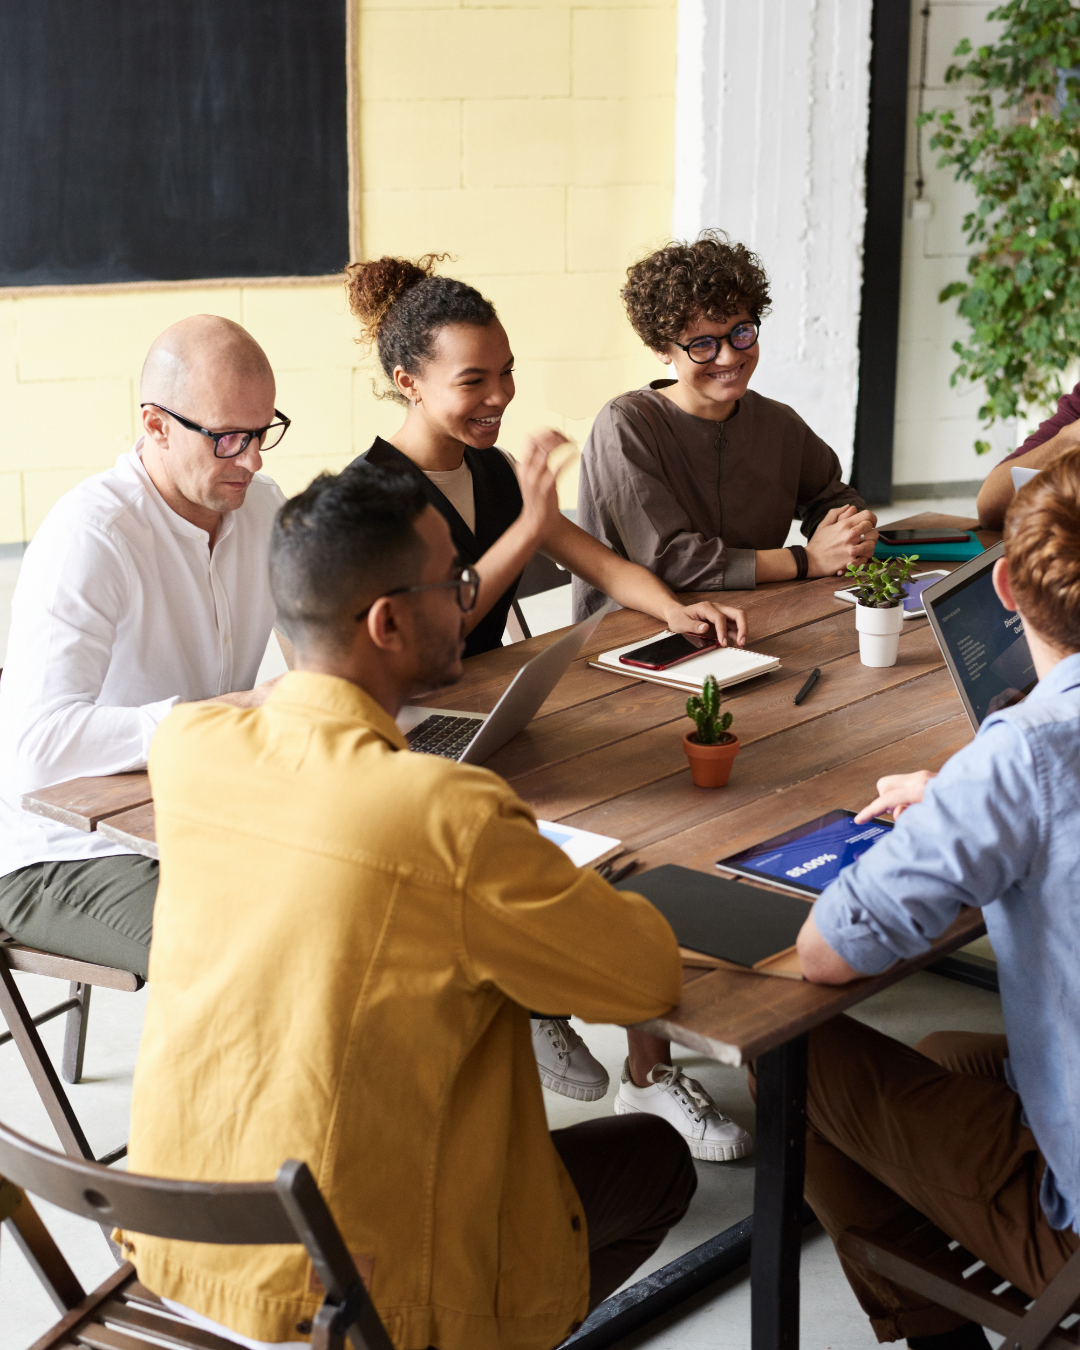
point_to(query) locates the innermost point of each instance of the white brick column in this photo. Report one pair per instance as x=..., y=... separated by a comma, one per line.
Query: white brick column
x=772, y=101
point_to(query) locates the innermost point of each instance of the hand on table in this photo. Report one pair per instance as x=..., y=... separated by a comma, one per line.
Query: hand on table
x=696, y=620
x=845, y=535
x=896, y=792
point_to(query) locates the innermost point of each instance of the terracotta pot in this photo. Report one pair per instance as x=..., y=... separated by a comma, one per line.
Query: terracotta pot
x=879, y=634
x=710, y=765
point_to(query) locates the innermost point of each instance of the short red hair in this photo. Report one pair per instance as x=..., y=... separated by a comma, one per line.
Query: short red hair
x=1042, y=545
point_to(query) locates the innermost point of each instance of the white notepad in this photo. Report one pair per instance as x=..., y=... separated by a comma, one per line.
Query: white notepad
x=582, y=847
x=730, y=665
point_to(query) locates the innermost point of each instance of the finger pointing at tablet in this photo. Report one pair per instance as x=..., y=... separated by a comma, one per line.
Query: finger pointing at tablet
x=896, y=792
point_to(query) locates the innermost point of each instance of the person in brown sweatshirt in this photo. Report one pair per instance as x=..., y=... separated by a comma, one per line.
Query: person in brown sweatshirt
x=698, y=478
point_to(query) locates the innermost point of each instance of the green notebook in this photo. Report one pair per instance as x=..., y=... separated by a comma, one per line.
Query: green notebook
x=931, y=552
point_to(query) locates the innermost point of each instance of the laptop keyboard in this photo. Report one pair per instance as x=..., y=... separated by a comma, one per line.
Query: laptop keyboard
x=443, y=735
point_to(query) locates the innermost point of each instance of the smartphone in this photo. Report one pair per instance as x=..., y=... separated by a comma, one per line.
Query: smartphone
x=669, y=651
x=923, y=536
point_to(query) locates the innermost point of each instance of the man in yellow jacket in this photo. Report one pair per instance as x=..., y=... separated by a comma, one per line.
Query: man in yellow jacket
x=347, y=938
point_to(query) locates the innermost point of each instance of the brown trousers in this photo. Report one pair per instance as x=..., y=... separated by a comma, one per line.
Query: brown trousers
x=935, y=1128
x=635, y=1179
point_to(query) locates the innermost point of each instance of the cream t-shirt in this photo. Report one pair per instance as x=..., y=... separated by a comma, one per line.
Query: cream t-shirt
x=456, y=485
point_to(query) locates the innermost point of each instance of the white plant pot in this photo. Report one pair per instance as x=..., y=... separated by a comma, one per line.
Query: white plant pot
x=879, y=634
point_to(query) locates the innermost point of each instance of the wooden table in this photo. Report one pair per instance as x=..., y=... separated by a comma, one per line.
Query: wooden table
x=605, y=753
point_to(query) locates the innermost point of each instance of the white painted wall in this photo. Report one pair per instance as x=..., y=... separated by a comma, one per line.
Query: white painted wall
x=937, y=425
x=771, y=130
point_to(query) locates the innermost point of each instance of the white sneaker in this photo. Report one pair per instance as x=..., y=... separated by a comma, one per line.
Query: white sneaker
x=565, y=1062
x=684, y=1103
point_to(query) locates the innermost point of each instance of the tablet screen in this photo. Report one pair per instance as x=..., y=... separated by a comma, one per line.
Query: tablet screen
x=808, y=858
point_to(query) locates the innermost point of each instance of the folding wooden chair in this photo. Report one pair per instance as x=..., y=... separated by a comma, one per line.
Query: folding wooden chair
x=22, y=1029
x=120, y=1313
x=913, y=1253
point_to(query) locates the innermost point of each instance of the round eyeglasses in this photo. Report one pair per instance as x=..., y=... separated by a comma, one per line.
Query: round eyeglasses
x=466, y=581
x=702, y=350
x=229, y=444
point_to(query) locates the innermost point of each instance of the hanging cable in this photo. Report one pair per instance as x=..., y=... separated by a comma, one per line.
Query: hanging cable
x=920, y=181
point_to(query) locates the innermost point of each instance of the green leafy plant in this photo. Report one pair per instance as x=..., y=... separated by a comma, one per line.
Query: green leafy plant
x=1020, y=152
x=880, y=581
x=712, y=727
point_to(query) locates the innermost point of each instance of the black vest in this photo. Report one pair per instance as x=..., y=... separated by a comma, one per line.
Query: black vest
x=498, y=504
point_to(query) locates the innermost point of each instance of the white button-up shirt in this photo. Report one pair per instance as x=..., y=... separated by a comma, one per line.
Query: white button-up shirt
x=120, y=611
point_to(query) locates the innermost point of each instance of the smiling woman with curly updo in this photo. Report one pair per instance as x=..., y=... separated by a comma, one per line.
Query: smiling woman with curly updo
x=697, y=478
x=447, y=360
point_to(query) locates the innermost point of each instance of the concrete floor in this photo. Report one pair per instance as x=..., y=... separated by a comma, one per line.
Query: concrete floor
x=717, y=1318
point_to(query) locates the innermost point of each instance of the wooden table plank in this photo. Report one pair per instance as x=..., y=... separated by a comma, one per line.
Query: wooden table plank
x=134, y=829
x=640, y=789
x=635, y=705
x=850, y=786
x=83, y=802
x=734, y=1017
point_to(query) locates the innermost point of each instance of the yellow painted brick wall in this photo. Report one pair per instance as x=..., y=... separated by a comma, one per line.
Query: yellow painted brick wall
x=534, y=140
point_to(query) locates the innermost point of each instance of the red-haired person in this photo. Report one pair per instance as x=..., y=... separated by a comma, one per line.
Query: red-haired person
x=448, y=362
x=697, y=477
x=979, y=1133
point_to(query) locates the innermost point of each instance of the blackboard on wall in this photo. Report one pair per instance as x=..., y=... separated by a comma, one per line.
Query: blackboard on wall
x=172, y=140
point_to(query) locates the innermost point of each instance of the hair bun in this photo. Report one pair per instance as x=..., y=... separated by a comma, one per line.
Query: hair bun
x=372, y=288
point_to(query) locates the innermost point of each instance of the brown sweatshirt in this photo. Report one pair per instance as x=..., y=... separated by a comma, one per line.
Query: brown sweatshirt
x=692, y=500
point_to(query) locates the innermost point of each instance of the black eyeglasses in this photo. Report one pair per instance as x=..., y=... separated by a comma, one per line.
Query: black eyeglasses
x=702, y=350
x=466, y=583
x=229, y=444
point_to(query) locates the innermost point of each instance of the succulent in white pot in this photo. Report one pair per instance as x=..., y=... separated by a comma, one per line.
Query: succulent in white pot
x=879, y=606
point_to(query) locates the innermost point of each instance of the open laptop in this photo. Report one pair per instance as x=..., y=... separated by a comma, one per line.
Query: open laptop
x=470, y=738
x=983, y=643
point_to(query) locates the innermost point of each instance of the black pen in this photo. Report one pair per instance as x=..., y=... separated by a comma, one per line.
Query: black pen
x=811, y=680
x=622, y=872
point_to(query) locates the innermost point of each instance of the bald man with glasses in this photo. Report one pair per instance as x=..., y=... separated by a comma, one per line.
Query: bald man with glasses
x=144, y=587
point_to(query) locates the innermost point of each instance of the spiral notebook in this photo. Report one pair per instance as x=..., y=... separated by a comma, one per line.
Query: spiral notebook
x=730, y=665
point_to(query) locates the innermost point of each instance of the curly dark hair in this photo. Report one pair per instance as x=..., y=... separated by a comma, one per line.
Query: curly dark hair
x=711, y=278
x=402, y=305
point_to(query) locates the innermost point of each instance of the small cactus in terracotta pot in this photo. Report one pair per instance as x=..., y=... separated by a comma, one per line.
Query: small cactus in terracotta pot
x=711, y=749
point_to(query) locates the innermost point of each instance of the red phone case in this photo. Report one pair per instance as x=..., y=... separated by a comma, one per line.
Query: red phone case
x=652, y=665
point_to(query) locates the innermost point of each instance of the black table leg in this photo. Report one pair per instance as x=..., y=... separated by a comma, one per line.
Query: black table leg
x=780, y=1149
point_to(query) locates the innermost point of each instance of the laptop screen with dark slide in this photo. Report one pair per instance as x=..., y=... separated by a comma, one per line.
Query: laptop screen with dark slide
x=983, y=642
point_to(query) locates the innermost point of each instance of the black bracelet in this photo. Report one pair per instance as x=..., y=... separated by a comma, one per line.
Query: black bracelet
x=802, y=562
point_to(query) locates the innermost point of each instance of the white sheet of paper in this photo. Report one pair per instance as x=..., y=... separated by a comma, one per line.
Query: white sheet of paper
x=582, y=847
x=1021, y=476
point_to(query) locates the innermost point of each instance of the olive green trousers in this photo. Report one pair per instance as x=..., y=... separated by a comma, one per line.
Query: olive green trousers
x=93, y=909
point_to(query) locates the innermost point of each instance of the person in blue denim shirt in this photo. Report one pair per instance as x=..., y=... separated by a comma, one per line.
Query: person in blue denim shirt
x=979, y=1133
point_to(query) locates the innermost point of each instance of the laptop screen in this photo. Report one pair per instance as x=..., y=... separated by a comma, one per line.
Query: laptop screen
x=982, y=641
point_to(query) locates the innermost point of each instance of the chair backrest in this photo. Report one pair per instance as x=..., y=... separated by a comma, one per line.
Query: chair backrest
x=540, y=575
x=288, y=1210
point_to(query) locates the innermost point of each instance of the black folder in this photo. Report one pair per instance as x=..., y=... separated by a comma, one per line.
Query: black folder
x=730, y=920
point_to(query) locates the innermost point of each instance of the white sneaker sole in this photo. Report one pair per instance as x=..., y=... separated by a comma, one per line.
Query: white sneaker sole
x=577, y=1092
x=699, y=1148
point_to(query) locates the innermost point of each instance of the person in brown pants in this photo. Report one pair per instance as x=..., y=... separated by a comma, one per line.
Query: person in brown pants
x=981, y=1134
x=935, y=1128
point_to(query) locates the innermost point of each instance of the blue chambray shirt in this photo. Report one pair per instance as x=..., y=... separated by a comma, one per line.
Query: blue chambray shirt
x=999, y=827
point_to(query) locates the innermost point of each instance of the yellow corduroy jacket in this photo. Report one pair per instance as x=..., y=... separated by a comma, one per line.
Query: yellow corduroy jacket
x=346, y=940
